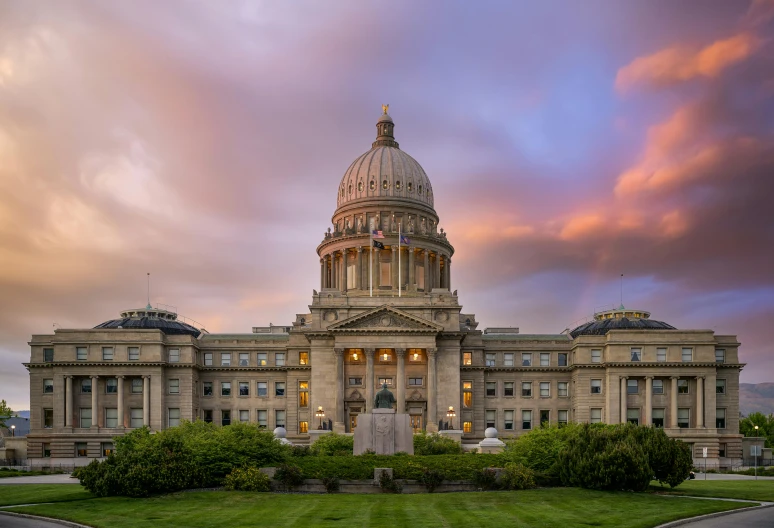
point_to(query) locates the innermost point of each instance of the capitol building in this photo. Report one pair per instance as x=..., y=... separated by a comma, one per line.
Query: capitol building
x=387, y=312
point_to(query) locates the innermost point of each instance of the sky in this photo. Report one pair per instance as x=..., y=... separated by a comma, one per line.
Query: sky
x=567, y=142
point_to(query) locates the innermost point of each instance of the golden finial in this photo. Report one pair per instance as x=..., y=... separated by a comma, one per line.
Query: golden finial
x=385, y=108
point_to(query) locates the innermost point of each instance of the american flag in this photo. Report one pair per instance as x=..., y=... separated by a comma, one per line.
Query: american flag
x=378, y=234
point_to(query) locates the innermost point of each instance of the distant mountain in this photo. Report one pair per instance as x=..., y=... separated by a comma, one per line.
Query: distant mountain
x=756, y=397
x=23, y=414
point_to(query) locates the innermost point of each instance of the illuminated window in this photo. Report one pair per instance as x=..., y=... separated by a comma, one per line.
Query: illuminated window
x=303, y=358
x=384, y=184
x=262, y=359
x=467, y=393
x=303, y=394
x=81, y=449
x=303, y=427
x=467, y=358
x=387, y=381
x=107, y=448
x=372, y=185
x=385, y=357
x=360, y=186
x=467, y=427
x=415, y=355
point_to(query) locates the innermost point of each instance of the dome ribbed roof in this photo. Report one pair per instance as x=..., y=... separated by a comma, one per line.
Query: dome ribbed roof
x=603, y=326
x=151, y=319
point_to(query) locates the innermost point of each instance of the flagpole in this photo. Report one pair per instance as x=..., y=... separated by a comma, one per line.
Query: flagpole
x=399, y=266
x=371, y=260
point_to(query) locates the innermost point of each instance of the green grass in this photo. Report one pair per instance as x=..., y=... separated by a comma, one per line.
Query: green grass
x=5, y=473
x=545, y=508
x=730, y=489
x=34, y=493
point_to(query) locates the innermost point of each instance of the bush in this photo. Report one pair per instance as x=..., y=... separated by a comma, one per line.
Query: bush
x=485, y=479
x=331, y=484
x=670, y=459
x=539, y=450
x=435, y=444
x=289, y=476
x=332, y=444
x=247, y=479
x=389, y=484
x=431, y=478
x=517, y=477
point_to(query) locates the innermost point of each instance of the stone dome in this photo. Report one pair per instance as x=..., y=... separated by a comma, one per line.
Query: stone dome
x=385, y=172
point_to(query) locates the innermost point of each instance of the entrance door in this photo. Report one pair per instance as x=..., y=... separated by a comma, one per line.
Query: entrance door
x=352, y=422
x=416, y=423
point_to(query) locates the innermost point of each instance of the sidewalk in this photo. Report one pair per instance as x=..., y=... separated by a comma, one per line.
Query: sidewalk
x=63, y=478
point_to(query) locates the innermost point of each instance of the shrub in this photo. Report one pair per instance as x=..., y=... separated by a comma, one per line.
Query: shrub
x=332, y=444
x=431, y=478
x=299, y=451
x=485, y=479
x=435, y=444
x=247, y=479
x=331, y=484
x=539, y=450
x=517, y=477
x=289, y=476
x=388, y=484
x=670, y=459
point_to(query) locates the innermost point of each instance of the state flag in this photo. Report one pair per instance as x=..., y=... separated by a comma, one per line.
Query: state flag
x=405, y=240
x=378, y=244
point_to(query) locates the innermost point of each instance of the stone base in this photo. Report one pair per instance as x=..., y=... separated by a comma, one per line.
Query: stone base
x=454, y=434
x=314, y=434
x=491, y=445
x=384, y=432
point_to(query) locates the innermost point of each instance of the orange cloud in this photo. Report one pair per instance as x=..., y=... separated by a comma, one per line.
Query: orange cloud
x=581, y=226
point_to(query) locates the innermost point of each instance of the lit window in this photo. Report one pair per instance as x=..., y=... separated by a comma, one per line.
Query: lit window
x=661, y=355
x=48, y=355
x=490, y=360
x=526, y=420
x=48, y=386
x=262, y=359
x=508, y=359
x=595, y=416
x=86, y=386
x=81, y=449
x=508, y=419
x=720, y=355
x=687, y=355
x=415, y=355
x=303, y=394
x=207, y=416
x=387, y=381
x=467, y=427
x=720, y=386
x=545, y=360
x=244, y=388
x=360, y=186
x=244, y=359
x=372, y=185
x=225, y=417
x=384, y=184
x=596, y=356
x=85, y=417
x=636, y=354
x=111, y=418
x=107, y=448
x=107, y=353
x=134, y=353
x=467, y=358
x=48, y=418
x=385, y=357
x=303, y=358
x=244, y=416
x=682, y=386
x=467, y=393
x=658, y=386
x=263, y=418
x=279, y=388
x=720, y=418
x=174, y=355
x=526, y=389
x=225, y=388
x=174, y=386
x=279, y=359
x=632, y=386
x=658, y=417
x=545, y=389
x=490, y=418
x=562, y=360
x=596, y=386
x=561, y=389
x=303, y=427
x=208, y=359
x=263, y=388
x=207, y=388
x=491, y=389
x=683, y=418
x=508, y=388
x=81, y=353
x=526, y=359
x=225, y=359
x=633, y=416
x=562, y=418
x=136, y=385
x=279, y=418
x=111, y=386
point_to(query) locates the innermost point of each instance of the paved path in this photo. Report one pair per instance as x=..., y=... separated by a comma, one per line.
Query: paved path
x=63, y=478
x=729, y=476
x=12, y=521
x=762, y=518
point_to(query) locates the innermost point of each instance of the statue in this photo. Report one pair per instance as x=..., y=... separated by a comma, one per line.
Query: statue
x=360, y=225
x=393, y=227
x=384, y=399
x=411, y=225
x=423, y=227
x=385, y=108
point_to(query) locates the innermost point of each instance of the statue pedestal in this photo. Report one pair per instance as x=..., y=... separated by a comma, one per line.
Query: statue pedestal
x=384, y=432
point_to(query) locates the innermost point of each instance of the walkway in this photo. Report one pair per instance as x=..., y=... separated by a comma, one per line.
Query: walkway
x=12, y=521
x=63, y=478
x=761, y=518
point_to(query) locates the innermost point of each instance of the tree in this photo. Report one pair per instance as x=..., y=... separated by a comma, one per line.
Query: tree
x=765, y=426
x=5, y=413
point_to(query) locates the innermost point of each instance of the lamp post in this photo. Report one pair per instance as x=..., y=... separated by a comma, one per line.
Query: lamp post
x=13, y=430
x=451, y=414
x=320, y=415
x=755, y=450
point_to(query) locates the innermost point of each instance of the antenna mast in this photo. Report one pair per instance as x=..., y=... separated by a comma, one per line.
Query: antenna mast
x=622, y=289
x=149, y=304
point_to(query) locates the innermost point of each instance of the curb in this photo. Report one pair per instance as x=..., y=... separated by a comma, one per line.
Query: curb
x=681, y=522
x=60, y=522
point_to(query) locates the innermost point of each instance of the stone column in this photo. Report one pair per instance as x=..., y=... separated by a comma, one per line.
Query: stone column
x=68, y=415
x=334, y=272
x=322, y=273
x=375, y=271
x=647, y=418
x=412, y=284
x=673, y=403
x=359, y=269
x=120, y=410
x=146, y=400
x=710, y=400
x=700, y=402
x=428, y=286
x=394, y=267
x=400, y=386
x=338, y=414
x=623, y=399
x=437, y=278
x=344, y=255
x=369, y=353
x=94, y=401
x=448, y=273
x=432, y=404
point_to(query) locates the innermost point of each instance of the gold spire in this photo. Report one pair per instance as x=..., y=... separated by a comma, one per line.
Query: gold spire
x=385, y=108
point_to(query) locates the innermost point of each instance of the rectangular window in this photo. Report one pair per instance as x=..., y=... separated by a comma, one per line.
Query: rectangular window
x=722, y=451
x=526, y=359
x=508, y=417
x=208, y=359
x=720, y=355
x=207, y=388
x=244, y=416
x=545, y=389
x=48, y=418
x=636, y=354
x=225, y=359
x=86, y=417
x=107, y=448
x=491, y=389
x=262, y=359
x=526, y=420
x=47, y=450
x=467, y=358
x=545, y=359
x=303, y=394
x=490, y=360
x=596, y=356
x=415, y=382
x=356, y=381
x=508, y=359
x=683, y=418
x=225, y=388
x=658, y=417
x=595, y=416
x=136, y=385
x=174, y=355
x=48, y=386
x=633, y=416
x=263, y=418
x=682, y=386
x=86, y=386
x=384, y=273
x=48, y=355
x=388, y=381
x=490, y=418
x=134, y=353
x=81, y=449
x=661, y=355
x=174, y=386
x=467, y=427
x=720, y=386
x=111, y=418
x=303, y=358
x=244, y=359
x=244, y=388
x=562, y=359
x=632, y=386
x=526, y=389
x=107, y=353
x=508, y=388
x=279, y=388
x=720, y=418
x=135, y=418
x=545, y=418
x=81, y=353
x=561, y=389
x=658, y=386
x=303, y=427
x=263, y=388
x=279, y=418
x=467, y=394
x=279, y=359
x=225, y=417
x=596, y=386
x=562, y=418
x=207, y=415
x=687, y=355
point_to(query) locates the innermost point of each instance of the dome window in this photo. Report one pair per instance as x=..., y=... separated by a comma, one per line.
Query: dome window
x=409, y=186
x=385, y=185
x=360, y=186
x=350, y=188
x=372, y=185
x=397, y=184
x=342, y=192
x=420, y=189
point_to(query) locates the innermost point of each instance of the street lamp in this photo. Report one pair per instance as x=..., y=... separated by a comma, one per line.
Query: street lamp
x=13, y=430
x=755, y=450
x=320, y=415
x=451, y=414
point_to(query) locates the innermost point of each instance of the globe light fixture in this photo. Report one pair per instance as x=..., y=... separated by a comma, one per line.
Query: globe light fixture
x=320, y=414
x=451, y=414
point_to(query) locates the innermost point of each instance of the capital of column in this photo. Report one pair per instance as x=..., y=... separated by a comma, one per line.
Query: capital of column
x=400, y=353
x=432, y=352
x=394, y=249
x=648, y=377
x=360, y=249
x=674, y=377
x=700, y=377
x=68, y=377
x=120, y=377
x=339, y=352
x=369, y=352
x=147, y=376
x=94, y=377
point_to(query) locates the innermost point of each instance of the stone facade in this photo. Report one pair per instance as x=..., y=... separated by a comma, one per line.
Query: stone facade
x=386, y=314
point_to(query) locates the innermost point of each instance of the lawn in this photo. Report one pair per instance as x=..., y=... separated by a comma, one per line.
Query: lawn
x=730, y=489
x=545, y=508
x=34, y=493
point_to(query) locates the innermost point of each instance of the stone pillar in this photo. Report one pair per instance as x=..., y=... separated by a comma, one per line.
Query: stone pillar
x=322, y=273
x=437, y=278
x=359, y=269
x=394, y=267
x=94, y=402
x=400, y=385
x=623, y=399
x=338, y=414
x=334, y=272
x=146, y=400
x=432, y=403
x=448, y=273
x=673, y=403
x=412, y=283
x=647, y=417
x=700, y=402
x=344, y=255
x=369, y=353
x=428, y=286
x=710, y=400
x=120, y=410
x=68, y=421
x=375, y=271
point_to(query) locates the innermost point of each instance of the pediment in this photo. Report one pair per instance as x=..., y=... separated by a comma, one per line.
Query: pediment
x=385, y=319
